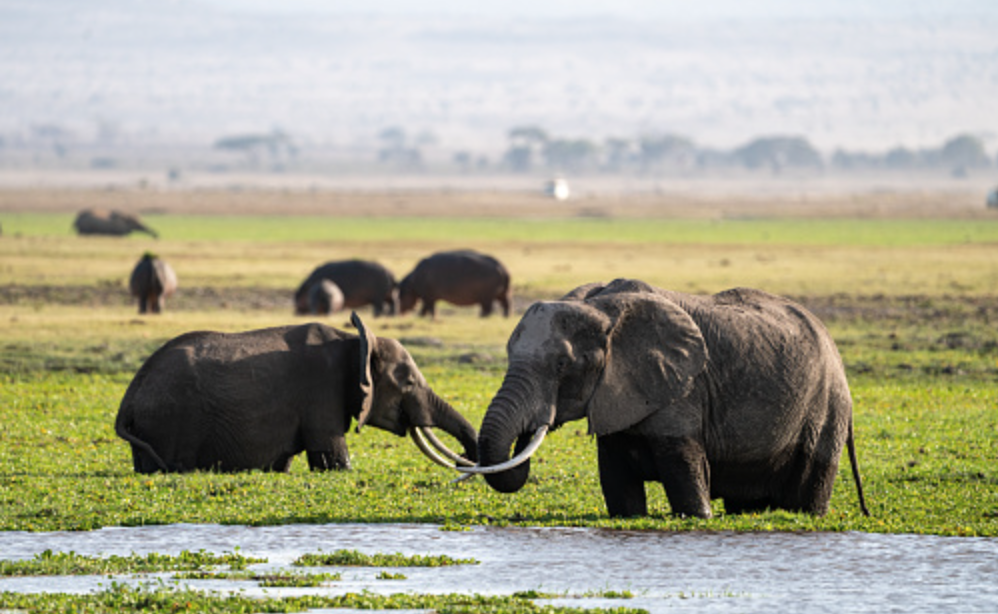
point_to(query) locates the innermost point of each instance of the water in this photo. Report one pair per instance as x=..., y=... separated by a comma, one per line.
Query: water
x=667, y=572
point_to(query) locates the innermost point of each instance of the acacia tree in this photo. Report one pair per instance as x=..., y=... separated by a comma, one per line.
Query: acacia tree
x=525, y=142
x=276, y=146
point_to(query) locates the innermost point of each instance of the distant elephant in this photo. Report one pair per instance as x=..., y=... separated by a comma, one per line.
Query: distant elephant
x=740, y=396
x=361, y=282
x=152, y=281
x=114, y=223
x=324, y=298
x=462, y=277
x=256, y=399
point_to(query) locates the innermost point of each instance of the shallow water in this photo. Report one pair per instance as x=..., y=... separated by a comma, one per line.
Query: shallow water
x=667, y=572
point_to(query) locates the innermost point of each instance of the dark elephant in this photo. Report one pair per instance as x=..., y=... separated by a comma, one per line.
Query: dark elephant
x=361, y=282
x=740, y=396
x=152, y=281
x=324, y=298
x=256, y=399
x=463, y=277
x=113, y=223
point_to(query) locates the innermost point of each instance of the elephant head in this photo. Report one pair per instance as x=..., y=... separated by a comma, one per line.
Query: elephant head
x=395, y=397
x=601, y=359
x=127, y=223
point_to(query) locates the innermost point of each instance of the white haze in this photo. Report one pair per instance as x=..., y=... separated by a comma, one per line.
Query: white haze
x=857, y=75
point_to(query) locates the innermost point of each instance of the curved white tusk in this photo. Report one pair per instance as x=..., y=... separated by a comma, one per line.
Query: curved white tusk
x=443, y=449
x=517, y=460
x=425, y=448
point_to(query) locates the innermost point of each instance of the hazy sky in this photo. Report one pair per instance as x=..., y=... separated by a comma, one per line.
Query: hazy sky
x=852, y=73
x=641, y=9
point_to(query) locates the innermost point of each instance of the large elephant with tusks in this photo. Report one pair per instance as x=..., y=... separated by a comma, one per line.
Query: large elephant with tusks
x=740, y=396
x=256, y=399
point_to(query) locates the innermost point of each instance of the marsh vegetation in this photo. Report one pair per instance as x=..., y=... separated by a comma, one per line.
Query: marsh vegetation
x=911, y=302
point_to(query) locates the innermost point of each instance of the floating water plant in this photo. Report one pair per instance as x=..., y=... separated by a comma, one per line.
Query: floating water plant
x=354, y=558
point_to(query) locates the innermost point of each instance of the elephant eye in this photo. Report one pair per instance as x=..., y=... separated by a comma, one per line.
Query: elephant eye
x=563, y=363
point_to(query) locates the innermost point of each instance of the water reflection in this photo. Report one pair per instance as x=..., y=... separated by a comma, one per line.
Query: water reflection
x=674, y=572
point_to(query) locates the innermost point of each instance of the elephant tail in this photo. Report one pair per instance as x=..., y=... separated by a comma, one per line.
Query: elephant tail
x=122, y=426
x=851, y=444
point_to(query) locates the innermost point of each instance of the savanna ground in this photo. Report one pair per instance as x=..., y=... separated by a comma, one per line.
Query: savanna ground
x=906, y=282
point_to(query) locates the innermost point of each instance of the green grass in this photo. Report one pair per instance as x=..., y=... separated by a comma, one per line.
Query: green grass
x=277, y=229
x=912, y=305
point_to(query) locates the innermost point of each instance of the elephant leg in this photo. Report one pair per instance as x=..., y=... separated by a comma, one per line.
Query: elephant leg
x=142, y=462
x=504, y=304
x=682, y=468
x=486, y=309
x=156, y=303
x=377, y=308
x=623, y=489
x=335, y=458
x=143, y=304
x=282, y=464
x=429, y=309
x=809, y=488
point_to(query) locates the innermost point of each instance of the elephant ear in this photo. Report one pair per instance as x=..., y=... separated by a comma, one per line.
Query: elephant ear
x=654, y=351
x=367, y=346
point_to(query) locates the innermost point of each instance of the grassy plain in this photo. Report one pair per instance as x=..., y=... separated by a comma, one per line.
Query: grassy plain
x=910, y=301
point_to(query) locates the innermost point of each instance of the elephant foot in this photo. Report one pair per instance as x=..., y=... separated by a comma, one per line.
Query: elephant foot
x=327, y=461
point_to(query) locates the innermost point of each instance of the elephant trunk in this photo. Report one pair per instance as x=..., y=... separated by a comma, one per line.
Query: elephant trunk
x=514, y=414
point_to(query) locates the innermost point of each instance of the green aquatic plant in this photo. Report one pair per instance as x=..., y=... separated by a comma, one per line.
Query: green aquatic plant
x=160, y=598
x=354, y=558
x=275, y=579
x=49, y=563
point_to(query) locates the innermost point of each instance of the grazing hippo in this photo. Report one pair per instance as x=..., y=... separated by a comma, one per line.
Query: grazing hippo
x=112, y=223
x=152, y=281
x=463, y=277
x=361, y=282
x=324, y=298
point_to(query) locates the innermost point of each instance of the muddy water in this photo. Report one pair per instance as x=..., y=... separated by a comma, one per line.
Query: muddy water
x=667, y=572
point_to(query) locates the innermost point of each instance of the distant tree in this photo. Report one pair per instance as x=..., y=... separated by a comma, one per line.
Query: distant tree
x=276, y=146
x=668, y=150
x=525, y=142
x=854, y=160
x=396, y=151
x=901, y=158
x=964, y=151
x=777, y=153
x=570, y=154
x=530, y=135
x=53, y=135
x=619, y=153
x=518, y=159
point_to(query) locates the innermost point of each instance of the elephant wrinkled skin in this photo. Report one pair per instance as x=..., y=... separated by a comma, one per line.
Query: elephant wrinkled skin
x=740, y=396
x=256, y=399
